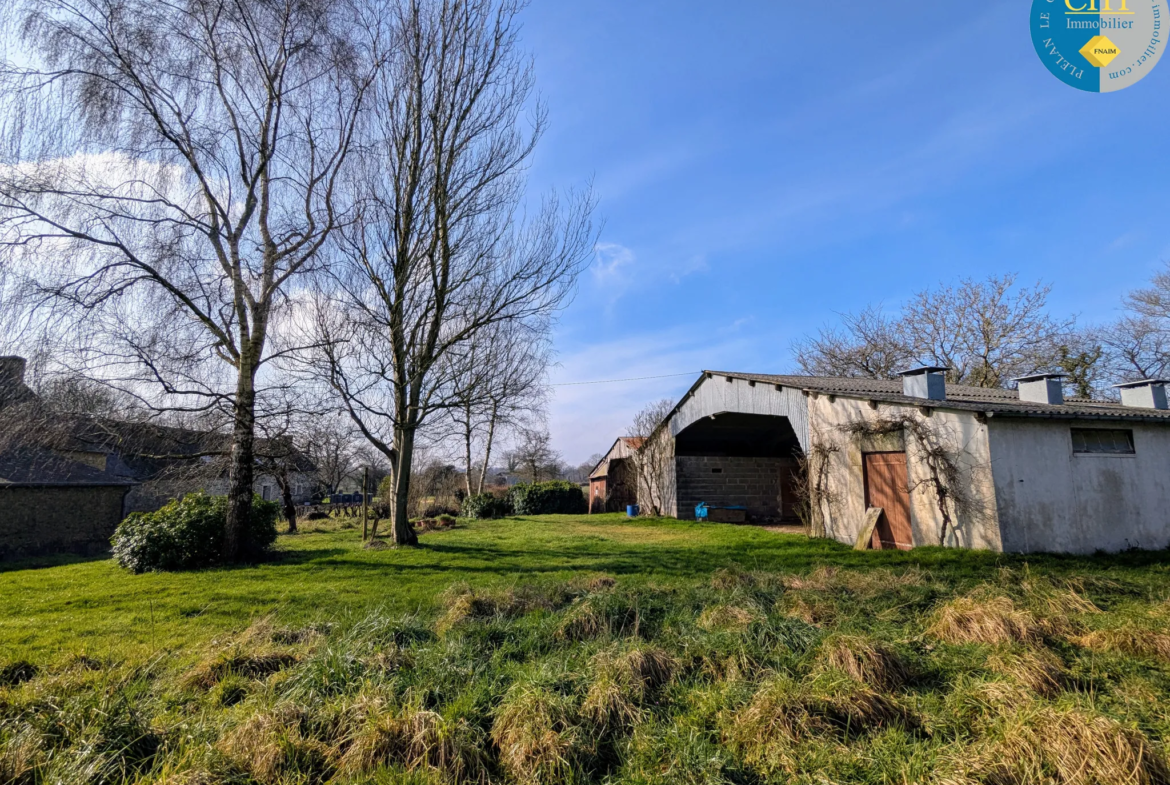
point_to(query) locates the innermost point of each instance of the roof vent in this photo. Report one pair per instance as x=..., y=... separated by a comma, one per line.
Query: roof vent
x=1046, y=388
x=1146, y=394
x=929, y=382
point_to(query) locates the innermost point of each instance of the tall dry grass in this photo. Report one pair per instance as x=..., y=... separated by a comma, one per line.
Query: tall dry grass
x=994, y=620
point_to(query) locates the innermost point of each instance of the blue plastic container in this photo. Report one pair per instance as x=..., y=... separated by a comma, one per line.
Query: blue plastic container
x=632, y=511
x=701, y=512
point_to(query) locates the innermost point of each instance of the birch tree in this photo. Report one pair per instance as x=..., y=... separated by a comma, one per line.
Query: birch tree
x=168, y=172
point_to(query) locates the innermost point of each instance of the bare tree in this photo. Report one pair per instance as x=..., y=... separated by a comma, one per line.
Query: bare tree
x=169, y=170
x=654, y=459
x=279, y=458
x=332, y=446
x=439, y=251
x=986, y=332
x=498, y=383
x=1137, y=346
x=868, y=344
x=533, y=457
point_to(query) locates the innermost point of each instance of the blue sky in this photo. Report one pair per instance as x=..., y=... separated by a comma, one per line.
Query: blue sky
x=764, y=165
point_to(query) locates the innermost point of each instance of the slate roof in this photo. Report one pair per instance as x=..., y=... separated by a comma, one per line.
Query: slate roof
x=33, y=467
x=996, y=402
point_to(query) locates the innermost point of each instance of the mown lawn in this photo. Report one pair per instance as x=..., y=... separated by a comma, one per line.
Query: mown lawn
x=95, y=607
x=589, y=650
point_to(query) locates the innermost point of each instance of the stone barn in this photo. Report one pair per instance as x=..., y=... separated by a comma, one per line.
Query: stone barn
x=1016, y=470
x=50, y=504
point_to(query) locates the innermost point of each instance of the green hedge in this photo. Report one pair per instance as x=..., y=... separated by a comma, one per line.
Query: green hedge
x=187, y=534
x=486, y=506
x=557, y=497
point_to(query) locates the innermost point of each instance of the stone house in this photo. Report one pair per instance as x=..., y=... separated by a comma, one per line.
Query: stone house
x=1017, y=470
x=69, y=479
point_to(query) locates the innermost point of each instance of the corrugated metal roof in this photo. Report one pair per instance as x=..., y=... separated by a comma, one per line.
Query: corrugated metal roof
x=995, y=401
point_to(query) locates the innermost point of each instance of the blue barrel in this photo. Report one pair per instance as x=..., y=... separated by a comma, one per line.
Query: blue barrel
x=632, y=511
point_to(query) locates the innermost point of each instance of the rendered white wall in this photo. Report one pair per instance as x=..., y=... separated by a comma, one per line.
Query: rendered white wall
x=1051, y=499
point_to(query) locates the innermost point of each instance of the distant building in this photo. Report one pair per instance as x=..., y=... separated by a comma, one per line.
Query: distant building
x=66, y=481
x=613, y=483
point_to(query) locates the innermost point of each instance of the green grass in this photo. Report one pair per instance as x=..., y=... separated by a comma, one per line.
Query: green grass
x=67, y=605
x=589, y=649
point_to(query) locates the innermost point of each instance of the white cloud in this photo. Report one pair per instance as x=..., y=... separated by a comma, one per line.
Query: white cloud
x=586, y=419
x=693, y=265
x=613, y=263
x=613, y=271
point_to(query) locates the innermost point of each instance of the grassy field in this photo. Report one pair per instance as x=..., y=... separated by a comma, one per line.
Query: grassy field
x=589, y=650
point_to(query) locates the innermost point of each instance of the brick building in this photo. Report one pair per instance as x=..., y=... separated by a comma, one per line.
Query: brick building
x=613, y=483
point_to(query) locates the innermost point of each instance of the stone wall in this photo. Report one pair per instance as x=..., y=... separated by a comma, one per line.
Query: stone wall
x=78, y=519
x=754, y=483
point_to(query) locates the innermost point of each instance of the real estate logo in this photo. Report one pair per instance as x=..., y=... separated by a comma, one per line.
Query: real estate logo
x=1101, y=46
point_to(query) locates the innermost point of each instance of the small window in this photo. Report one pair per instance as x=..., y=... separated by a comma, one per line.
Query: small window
x=717, y=471
x=1088, y=441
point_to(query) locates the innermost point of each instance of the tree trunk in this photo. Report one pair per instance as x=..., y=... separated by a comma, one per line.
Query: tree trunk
x=290, y=507
x=402, y=530
x=241, y=463
x=467, y=450
x=487, y=450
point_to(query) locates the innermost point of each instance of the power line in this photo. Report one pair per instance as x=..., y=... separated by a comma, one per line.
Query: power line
x=635, y=379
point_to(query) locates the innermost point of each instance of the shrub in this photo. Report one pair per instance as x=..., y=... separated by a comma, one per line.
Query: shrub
x=484, y=506
x=557, y=497
x=438, y=511
x=187, y=534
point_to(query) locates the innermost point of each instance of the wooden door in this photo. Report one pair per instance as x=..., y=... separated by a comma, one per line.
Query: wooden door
x=789, y=483
x=887, y=485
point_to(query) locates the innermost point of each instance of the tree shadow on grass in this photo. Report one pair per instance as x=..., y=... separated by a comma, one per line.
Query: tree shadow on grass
x=797, y=556
x=51, y=560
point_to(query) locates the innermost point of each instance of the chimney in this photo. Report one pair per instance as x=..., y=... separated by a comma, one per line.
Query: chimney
x=12, y=372
x=1146, y=394
x=1046, y=388
x=927, y=382
x=12, y=389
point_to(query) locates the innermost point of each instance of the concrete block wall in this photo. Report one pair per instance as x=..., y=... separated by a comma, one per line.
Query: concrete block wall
x=754, y=483
x=36, y=521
